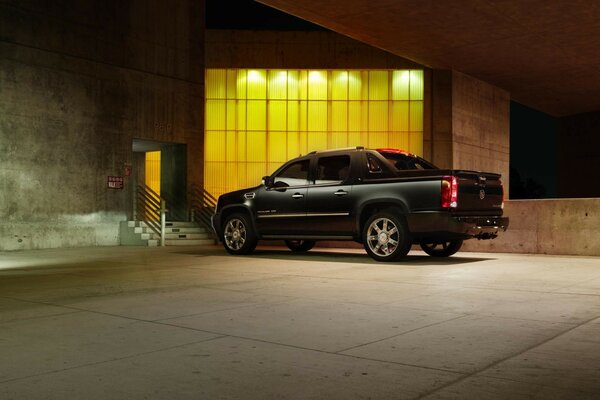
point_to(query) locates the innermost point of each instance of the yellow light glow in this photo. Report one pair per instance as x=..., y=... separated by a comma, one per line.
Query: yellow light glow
x=315, y=77
x=256, y=119
x=254, y=76
x=152, y=171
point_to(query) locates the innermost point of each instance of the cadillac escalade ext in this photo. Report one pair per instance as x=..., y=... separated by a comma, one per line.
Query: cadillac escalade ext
x=385, y=199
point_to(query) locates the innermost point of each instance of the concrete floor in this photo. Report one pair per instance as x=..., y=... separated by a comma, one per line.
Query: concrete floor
x=194, y=323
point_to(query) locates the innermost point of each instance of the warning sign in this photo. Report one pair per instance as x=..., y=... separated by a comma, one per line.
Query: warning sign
x=115, y=182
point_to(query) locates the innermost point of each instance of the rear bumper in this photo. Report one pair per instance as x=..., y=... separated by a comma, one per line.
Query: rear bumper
x=445, y=226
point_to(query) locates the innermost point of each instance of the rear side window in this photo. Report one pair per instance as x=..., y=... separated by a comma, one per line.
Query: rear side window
x=295, y=174
x=377, y=169
x=333, y=169
x=405, y=162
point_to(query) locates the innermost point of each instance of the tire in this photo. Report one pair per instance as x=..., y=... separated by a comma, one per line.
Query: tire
x=238, y=235
x=386, y=236
x=300, y=245
x=441, y=249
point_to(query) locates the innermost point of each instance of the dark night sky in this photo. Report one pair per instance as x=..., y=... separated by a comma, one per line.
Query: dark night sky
x=250, y=15
x=533, y=152
x=533, y=134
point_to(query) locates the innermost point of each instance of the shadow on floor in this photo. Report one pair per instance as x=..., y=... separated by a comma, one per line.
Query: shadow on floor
x=338, y=255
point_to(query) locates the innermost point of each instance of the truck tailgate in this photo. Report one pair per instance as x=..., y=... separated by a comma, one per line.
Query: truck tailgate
x=479, y=191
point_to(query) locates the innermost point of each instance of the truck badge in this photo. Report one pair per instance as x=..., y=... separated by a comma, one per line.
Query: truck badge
x=482, y=194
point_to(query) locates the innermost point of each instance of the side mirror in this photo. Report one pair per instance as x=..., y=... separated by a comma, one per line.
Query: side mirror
x=267, y=181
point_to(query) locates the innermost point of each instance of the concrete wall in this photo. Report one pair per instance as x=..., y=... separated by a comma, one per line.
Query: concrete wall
x=579, y=155
x=557, y=226
x=78, y=81
x=470, y=124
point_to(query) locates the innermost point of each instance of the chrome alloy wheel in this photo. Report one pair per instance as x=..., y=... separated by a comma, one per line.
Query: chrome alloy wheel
x=383, y=237
x=235, y=234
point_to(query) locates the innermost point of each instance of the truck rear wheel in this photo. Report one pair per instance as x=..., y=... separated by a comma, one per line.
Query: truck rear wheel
x=386, y=237
x=441, y=249
x=238, y=236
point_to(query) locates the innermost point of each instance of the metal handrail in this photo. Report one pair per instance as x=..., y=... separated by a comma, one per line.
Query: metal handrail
x=150, y=208
x=202, y=205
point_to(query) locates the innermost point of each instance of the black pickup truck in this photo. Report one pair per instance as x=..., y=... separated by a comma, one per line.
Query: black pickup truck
x=385, y=199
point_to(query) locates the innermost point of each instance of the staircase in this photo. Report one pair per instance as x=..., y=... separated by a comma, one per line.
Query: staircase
x=138, y=233
x=150, y=224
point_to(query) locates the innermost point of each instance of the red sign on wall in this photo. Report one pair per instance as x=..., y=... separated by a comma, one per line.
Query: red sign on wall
x=115, y=182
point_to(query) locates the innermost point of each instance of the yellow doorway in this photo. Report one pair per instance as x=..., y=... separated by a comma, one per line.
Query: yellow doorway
x=152, y=171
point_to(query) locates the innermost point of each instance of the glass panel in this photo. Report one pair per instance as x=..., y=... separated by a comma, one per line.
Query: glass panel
x=256, y=149
x=400, y=116
x=232, y=77
x=257, y=115
x=248, y=136
x=416, y=85
x=378, y=85
x=415, y=141
x=354, y=85
x=398, y=140
x=215, y=114
x=317, y=85
x=293, y=115
x=257, y=84
x=215, y=83
x=293, y=85
x=400, y=85
x=317, y=141
x=231, y=115
x=416, y=116
x=277, y=145
x=317, y=116
x=378, y=116
x=338, y=140
x=354, y=116
x=339, y=85
x=277, y=84
x=215, y=141
x=339, y=116
x=277, y=115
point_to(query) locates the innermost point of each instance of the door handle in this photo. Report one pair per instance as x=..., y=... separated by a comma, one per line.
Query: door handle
x=340, y=193
x=297, y=196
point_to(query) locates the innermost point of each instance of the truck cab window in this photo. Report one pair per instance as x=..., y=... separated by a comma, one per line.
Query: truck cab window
x=295, y=174
x=333, y=169
x=377, y=169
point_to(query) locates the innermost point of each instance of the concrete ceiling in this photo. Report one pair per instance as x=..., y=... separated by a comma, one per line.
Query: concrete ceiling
x=546, y=53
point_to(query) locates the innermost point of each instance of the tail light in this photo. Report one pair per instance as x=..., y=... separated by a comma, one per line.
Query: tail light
x=449, y=192
x=502, y=189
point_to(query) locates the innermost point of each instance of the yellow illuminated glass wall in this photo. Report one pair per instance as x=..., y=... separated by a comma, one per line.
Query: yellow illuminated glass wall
x=256, y=119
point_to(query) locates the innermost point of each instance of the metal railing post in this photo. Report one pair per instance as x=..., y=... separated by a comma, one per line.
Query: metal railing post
x=134, y=217
x=163, y=221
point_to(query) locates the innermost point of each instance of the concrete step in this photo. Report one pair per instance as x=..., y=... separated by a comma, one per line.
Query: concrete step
x=188, y=242
x=153, y=243
x=180, y=224
x=170, y=236
x=149, y=236
x=196, y=229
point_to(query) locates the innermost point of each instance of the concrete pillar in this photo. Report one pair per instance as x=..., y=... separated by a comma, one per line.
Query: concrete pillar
x=470, y=124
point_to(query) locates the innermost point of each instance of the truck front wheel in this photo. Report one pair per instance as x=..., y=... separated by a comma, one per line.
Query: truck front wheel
x=238, y=236
x=386, y=237
x=441, y=249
